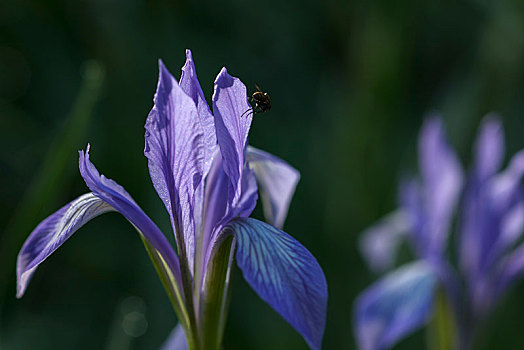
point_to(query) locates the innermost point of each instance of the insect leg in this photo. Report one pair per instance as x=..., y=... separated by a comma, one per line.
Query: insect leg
x=247, y=112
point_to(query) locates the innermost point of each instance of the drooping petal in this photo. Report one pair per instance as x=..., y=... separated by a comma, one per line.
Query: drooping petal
x=411, y=202
x=175, y=150
x=51, y=233
x=176, y=340
x=276, y=181
x=117, y=197
x=442, y=178
x=232, y=127
x=380, y=242
x=284, y=274
x=395, y=306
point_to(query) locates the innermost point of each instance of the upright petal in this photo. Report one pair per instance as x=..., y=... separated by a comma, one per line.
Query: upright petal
x=502, y=215
x=498, y=268
x=276, y=181
x=190, y=85
x=175, y=150
x=51, y=233
x=218, y=210
x=442, y=180
x=380, y=242
x=489, y=148
x=216, y=199
x=477, y=218
x=507, y=185
x=248, y=195
x=232, y=127
x=395, y=306
x=284, y=274
x=117, y=197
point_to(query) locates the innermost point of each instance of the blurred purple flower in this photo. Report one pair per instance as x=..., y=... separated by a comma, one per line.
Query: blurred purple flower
x=491, y=221
x=208, y=179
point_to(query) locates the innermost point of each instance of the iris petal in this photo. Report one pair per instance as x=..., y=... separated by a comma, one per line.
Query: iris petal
x=276, y=180
x=479, y=221
x=442, y=178
x=117, y=197
x=176, y=340
x=190, y=85
x=284, y=274
x=394, y=306
x=379, y=243
x=51, y=233
x=489, y=148
x=229, y=104
x=175, y=151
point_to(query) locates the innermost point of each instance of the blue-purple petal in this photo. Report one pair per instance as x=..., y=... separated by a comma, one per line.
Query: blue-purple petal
x=51, y=233
x=117, y=197
x=248, y=195
x=276, y=180
x=190, y=85
x=175, y=151
x=176, y=340
x=232, y=127
x=442, y=178
x=284, y=274
x=395, y=306
x=501, y=218
x=411, y=202
x=479, y=221
x=380, y=242
x=215, y=199
x=489, y=148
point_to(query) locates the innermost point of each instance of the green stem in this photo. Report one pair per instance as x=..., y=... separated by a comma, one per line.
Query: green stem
x=215, y=294
x=192, y=333
x=170, y=285
x=442, y=331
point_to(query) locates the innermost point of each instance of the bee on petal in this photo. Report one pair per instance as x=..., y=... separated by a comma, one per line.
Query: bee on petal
x=261, y=100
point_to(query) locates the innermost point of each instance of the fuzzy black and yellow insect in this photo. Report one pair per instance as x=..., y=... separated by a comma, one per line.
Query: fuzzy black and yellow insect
x=261, y=101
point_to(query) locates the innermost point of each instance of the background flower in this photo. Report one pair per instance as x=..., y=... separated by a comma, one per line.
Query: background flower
x=491, y=218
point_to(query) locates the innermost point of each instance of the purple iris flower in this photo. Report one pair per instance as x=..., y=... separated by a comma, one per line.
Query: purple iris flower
x=208, y=179
x=489, y=209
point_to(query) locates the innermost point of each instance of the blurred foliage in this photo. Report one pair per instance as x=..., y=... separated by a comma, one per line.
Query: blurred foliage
x=350, y=83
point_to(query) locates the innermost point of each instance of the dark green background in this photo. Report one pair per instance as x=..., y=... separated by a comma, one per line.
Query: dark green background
x=350, y=84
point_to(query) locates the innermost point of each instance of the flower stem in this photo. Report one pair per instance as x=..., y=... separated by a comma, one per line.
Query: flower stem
x=442, y=330
x=192, y=334
x=215, y=294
